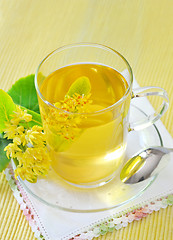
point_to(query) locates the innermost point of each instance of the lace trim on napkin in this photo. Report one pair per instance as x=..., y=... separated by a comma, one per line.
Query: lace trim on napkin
x=101, y=227
x=122, y=219
x=26, y=206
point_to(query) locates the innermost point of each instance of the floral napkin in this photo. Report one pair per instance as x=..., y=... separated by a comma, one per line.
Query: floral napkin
x=54, y=224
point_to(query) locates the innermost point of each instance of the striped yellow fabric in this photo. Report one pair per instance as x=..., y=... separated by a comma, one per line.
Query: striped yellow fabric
x=140, y=29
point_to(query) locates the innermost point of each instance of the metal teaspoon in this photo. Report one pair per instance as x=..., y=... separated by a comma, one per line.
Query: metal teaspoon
x=145, y=164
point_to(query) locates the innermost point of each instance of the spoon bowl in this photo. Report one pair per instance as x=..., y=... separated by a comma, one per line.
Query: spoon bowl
x=145, y=164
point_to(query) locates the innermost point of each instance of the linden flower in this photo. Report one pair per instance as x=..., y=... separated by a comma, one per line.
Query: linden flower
x=35, y=136
x=10, y=131
x=12, y=149
x=28, y=147
x=76, y=103
x=34, y=163
x=64, y=123
x=20, y=115
x=16, y=133
x=17, y=140
x=13, y=129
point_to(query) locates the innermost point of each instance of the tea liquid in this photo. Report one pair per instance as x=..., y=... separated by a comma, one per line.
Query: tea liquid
x=97, y=151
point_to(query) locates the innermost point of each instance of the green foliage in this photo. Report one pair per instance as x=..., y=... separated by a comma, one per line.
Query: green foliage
x=7, y=107
x=4, y=161
x=23, y=93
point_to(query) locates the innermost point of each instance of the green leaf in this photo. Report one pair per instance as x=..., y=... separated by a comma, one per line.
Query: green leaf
x=23, y=93
x=36, y=118
x=7, y=107
x=4, y=161
x=81, y=86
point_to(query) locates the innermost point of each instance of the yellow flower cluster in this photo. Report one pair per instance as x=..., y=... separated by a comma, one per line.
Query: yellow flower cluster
x=28, y=146
x=66, y=122
x=75, y=104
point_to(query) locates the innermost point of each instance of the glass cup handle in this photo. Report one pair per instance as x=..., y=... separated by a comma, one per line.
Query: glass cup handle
x=152, y=118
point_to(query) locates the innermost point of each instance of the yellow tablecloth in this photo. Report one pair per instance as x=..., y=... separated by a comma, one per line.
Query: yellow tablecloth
x=141, y=30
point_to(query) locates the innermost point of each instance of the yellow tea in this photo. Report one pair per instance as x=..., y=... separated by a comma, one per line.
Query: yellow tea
x=85, y=134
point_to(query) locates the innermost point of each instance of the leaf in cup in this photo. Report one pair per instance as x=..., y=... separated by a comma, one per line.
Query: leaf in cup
x=80, y=86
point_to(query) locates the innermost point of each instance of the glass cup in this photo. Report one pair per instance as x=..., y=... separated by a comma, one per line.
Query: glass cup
x=87, y=149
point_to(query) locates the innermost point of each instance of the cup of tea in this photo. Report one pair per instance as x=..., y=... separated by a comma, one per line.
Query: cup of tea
x=84, y=92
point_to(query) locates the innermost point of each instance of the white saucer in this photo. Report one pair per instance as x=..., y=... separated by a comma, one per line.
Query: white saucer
x=63, y=196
